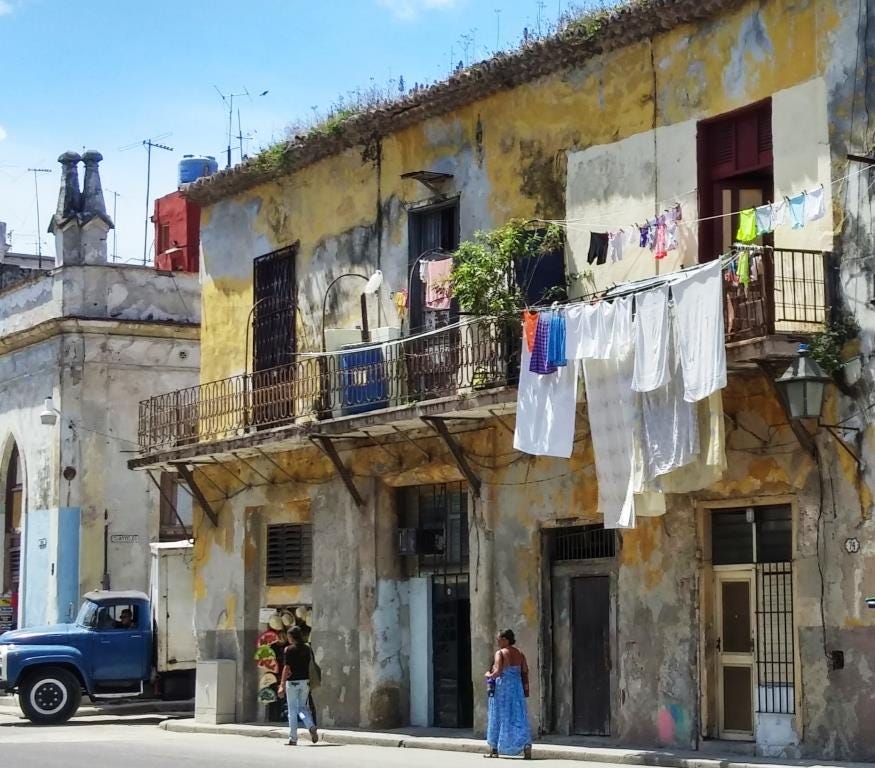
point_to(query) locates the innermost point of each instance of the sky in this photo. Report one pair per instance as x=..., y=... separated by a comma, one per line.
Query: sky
x=109, y=74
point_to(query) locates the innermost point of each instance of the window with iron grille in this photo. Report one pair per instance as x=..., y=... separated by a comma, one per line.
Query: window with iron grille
x=437, y=516
x=584, y=542
x=273, y=309
x=289, y=553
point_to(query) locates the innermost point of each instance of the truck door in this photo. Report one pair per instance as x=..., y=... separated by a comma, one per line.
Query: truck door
x=120, y=652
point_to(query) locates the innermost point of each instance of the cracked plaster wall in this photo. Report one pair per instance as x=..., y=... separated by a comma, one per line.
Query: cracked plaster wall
x=514, y=160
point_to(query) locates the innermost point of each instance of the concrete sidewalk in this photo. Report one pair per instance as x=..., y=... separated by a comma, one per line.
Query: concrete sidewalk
x=543, y=749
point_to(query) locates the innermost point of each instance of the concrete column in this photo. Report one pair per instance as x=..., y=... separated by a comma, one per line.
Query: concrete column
x=481, y=548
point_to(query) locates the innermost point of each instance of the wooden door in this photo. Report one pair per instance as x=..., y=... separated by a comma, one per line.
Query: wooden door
x=735, y=654
x=591, y=655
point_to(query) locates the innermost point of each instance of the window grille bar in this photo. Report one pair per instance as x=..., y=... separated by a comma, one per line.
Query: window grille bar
x=775, y=646
x=588, y=542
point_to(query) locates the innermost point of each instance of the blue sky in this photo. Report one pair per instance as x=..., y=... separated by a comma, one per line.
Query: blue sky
x=104, y=74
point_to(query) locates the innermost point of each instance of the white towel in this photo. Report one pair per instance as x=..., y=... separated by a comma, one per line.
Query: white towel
x=598, y=331
x=611, y=406
x=815, y=204
x=652, y=340
x=698, y=301
x=669, y=428
x=546, y=411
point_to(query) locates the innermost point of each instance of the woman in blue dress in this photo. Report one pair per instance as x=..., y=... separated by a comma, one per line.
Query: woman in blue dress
x=508, y=730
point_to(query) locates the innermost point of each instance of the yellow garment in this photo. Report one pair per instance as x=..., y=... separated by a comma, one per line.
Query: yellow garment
x=709, y=466
x=400, y=299
x=747, y=226
x=705, y=470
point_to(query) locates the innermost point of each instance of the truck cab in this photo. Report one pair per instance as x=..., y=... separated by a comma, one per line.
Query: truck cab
x=106, y=652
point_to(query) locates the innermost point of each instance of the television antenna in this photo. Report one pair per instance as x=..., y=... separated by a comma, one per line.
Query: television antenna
x=148, y=144
x=39, y=231
x=115, y=197
x=228, y=101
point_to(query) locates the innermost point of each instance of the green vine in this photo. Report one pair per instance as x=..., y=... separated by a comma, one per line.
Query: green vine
x=826, y=346
x=483, y=279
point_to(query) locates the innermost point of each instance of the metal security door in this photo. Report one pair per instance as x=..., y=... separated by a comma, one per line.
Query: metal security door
x=735, y=654
x=451, y=642
x=591, y=656
x=273, y=337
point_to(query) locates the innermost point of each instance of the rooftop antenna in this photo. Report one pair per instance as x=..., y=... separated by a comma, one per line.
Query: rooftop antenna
x=497, y=29
x=115, y=197
x=541, y=4
x=148, y=144
x=229, y=103
x=39, y=231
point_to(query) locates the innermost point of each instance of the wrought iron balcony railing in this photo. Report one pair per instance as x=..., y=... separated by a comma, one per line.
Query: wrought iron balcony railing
x=477, y=355
x=792, y=293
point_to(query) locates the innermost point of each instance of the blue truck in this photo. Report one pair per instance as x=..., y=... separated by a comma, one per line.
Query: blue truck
x=121, y=645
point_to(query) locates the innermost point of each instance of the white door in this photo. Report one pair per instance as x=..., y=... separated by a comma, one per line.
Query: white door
x=736, y=669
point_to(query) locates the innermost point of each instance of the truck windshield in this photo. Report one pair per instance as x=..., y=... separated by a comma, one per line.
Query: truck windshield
x=87, y=614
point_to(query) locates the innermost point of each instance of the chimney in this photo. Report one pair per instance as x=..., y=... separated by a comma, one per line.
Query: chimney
x=80, y=223
x=4, y=247
x=94, y=221
x=65, y=223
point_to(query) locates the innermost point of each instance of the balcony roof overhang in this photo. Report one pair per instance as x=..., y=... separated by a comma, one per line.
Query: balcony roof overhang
x=395, y=423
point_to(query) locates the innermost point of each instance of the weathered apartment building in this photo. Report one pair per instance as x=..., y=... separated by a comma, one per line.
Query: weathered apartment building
x=82, y=341
x=377, y=493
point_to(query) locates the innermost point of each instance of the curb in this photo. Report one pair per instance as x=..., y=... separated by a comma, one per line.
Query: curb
x=539, y=751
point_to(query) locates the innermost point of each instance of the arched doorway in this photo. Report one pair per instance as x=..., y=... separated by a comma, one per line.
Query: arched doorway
x=13, y=508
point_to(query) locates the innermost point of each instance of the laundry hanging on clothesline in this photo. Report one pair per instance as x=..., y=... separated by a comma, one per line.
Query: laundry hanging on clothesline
x=646, y=379
x=803, y=208
x=659, y=235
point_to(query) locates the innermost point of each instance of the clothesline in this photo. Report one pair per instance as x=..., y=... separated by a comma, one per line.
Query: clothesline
x=583, y=226
x=405, y=340
x=645, y=283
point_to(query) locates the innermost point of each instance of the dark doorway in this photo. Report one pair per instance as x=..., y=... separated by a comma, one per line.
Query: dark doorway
x=591, y=656
x=434, y=535
x=433, y=235
x=451, y=637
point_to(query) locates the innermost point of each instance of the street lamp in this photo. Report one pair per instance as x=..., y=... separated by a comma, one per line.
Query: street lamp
x=802, y=386
x=372, y=285
x=49, y=414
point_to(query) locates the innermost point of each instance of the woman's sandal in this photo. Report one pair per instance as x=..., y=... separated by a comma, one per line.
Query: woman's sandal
x=527, y=753
x=491, y=754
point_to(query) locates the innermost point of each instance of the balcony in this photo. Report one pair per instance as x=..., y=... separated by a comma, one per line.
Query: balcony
x=478, y=355
x=789, y=300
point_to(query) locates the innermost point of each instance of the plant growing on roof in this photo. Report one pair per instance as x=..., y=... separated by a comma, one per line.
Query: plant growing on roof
x=483, y=278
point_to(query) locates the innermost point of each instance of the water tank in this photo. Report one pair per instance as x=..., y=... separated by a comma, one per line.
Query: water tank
x=192, y=168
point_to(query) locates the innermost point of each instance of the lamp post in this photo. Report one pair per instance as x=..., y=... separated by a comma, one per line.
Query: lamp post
x=372, y=285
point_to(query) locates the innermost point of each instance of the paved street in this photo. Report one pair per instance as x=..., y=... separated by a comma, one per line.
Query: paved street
x=137, y=742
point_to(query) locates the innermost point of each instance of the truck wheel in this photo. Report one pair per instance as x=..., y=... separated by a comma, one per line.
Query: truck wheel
x=50, y=695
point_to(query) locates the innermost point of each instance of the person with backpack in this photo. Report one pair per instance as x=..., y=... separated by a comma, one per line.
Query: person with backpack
x=295, y=684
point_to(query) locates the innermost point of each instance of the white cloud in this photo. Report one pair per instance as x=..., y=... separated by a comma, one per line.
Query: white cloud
x=407, y=10
x=3, y=133
x=5, y=7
